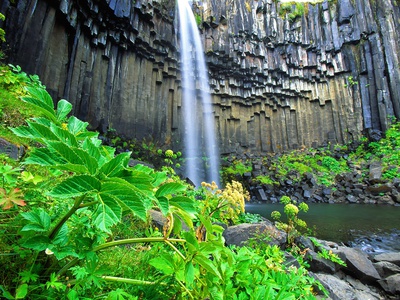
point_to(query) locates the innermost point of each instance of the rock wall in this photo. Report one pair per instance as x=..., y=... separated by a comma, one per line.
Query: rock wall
x=278, y=81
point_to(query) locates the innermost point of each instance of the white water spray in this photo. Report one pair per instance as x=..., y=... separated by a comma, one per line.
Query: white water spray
x=201, y=149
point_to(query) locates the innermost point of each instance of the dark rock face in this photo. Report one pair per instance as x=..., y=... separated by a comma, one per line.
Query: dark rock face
x=277, y=82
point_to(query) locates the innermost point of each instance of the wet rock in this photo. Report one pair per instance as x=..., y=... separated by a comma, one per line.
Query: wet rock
x=378, y=189
x=260, y=194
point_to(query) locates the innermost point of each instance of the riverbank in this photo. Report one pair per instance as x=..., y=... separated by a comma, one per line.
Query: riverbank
x=364, y=276
x=372, y=228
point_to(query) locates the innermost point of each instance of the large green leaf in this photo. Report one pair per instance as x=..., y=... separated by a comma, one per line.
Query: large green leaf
x=35, y=131
x=170, y=188
x=93, y=150
x=76, y=186
x=207, y=264
x=42, y=95
x=75, y=126
x=64, y=135
x=164, y=262
x=75, y=156
x=163, y=204
x=43, y=102
x=107, y=151
x=39, y=220
x=63, y=109
x=107, y=214
x=127, y=195
x=140, y=180
x=66, y=152
x=116, y=164
x=184, y=203
x=37, y=242
x=44, y=157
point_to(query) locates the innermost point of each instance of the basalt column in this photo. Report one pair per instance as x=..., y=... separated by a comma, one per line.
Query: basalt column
x=282, y=76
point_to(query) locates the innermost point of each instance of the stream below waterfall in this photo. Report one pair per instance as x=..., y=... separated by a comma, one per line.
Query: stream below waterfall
x=372, y=228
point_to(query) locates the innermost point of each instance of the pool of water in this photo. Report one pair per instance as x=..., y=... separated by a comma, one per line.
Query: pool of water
x=373, y=228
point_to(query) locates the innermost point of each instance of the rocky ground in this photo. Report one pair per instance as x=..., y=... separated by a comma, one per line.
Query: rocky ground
x=362, y=184
x=366, y=276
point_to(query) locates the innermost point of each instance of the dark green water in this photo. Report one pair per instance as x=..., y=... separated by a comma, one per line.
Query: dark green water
x=371, y=227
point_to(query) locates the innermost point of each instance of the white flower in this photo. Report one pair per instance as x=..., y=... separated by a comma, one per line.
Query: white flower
x=48, y=251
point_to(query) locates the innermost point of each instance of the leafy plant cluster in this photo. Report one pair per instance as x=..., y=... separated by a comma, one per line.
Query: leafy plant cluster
x=385, y=151
x=145, y=150
x=223, y=205
x=75, y=224
x=297, y=164
x=294, y=226
x=237, y=167
x=13, y=82
x=293, y=10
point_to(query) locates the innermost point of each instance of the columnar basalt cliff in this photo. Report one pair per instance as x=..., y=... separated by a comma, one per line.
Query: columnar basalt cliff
x=279, y=80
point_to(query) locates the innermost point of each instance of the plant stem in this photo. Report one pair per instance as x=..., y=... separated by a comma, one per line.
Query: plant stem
x=175, y=249
x=136, y=240
x=67, y=266
x=82, y=205
x=127, y=280
x=60, y=223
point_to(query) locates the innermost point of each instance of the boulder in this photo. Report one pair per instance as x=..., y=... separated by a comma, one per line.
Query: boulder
x=319, y=264
x=358, y=264
x=341, y=290
x=375, y=172
x=239, y=234
x=391, y=284
x=392, y=257
x=386, y=268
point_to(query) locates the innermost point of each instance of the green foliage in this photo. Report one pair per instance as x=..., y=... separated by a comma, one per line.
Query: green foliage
x=350, y=82
x=198, y=19
x=327, y=254
x=84, y=231
x=263, y=179
x=293, y=10
x=98, y=182
x=2, y=32
x=223, y=205
x=386, y=151
x=238, y=167
x=246, y=217
x=294, y=226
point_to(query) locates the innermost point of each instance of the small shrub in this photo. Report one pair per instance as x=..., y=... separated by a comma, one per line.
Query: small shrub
x=294, y=226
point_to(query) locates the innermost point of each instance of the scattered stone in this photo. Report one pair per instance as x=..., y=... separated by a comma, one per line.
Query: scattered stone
x=375, y=172
x=260, y=194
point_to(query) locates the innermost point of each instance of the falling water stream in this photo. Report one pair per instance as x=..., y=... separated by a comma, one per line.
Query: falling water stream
x=201, y=149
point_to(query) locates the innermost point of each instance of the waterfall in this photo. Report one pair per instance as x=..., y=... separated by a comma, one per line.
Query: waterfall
x=201, y=151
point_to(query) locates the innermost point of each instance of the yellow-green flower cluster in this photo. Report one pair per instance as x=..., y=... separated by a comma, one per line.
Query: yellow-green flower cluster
x=291, y=210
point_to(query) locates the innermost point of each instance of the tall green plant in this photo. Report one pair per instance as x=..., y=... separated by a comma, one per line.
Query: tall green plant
x=90, y=178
